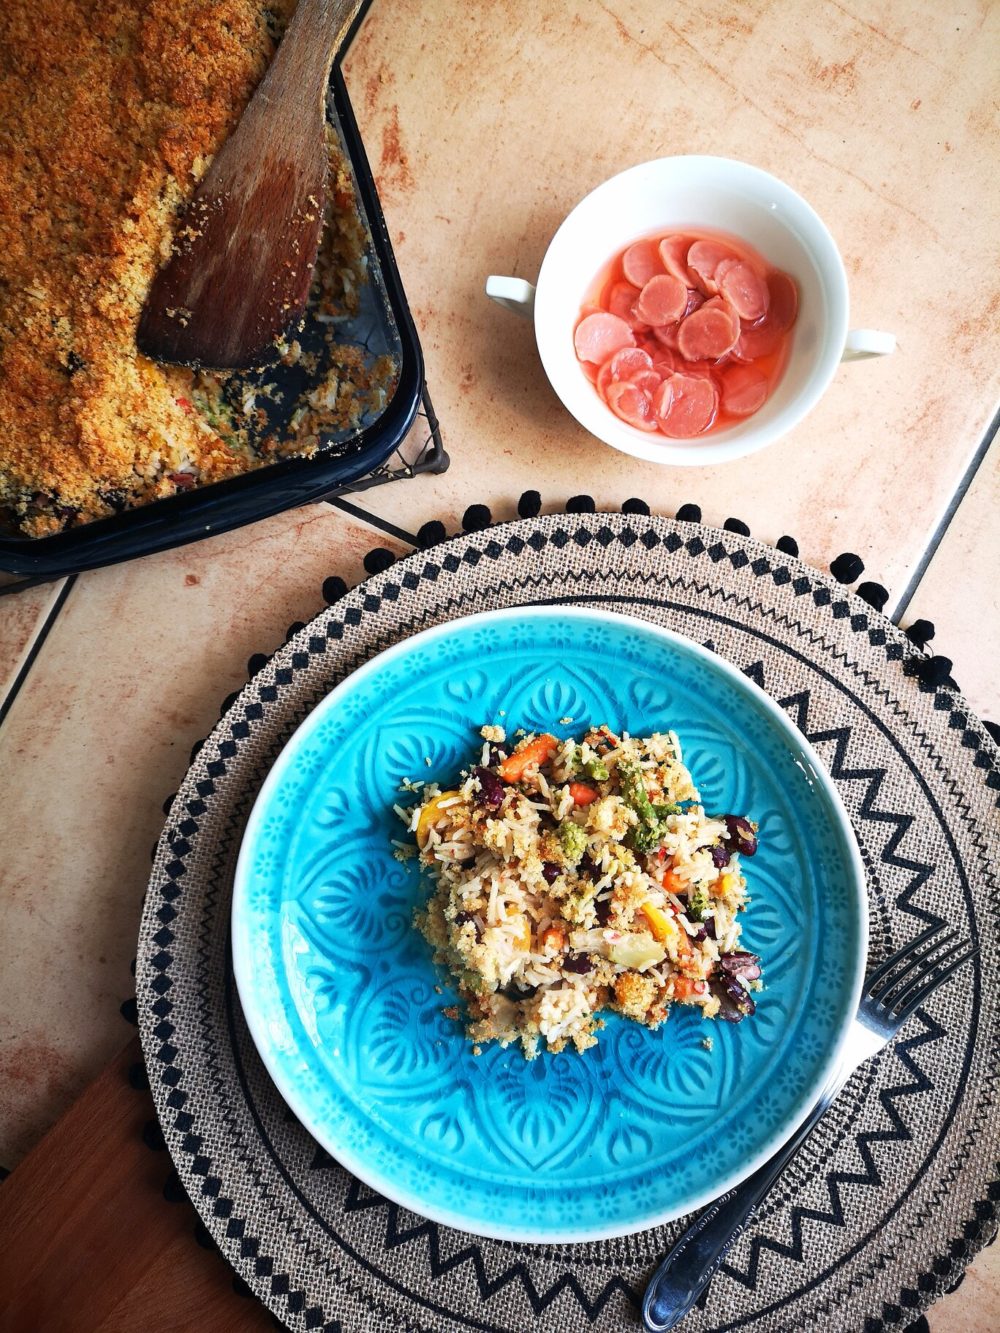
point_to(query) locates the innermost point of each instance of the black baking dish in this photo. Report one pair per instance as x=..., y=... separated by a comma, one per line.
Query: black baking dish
x=273, y=487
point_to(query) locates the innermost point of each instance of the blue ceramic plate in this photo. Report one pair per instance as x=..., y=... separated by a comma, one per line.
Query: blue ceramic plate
x=342, y=998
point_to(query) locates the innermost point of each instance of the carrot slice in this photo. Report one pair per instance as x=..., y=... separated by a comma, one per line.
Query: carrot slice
x=534, y=752
x=687, y=988
x=581, y=793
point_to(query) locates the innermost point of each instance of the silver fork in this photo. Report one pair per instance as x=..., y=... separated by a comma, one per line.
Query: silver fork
x=889, y=996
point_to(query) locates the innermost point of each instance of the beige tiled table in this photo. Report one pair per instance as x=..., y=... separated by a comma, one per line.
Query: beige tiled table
x=484, y=124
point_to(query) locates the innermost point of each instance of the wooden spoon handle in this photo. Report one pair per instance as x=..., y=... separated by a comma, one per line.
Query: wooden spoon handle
x=292, y=92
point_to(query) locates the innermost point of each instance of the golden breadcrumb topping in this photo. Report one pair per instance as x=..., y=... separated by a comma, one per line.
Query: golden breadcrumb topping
x=112, y=112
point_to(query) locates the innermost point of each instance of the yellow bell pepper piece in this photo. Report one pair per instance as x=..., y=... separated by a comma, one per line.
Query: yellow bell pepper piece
x=662, y=926
x=429, y=816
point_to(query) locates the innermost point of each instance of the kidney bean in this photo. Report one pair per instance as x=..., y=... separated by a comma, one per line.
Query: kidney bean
x=720, y=856
x=578, y=962
x=550, y=872
x=491, y=789
x=740, y=964
x=740, y=835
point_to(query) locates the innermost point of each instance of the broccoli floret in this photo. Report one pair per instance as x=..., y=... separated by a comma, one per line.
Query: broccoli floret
x=697, y=905
x=671, y=808
x=595, y=769
x=572, y=839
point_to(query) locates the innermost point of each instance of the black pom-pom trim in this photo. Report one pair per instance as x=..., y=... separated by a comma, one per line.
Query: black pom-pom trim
x=920, y=633
x=129, y=1010
x=529, y=505
x=788, y=546
x=994, y=729
x=580, y=504
x=874, y=594
x=194, y=751
x=476, y=517
x=137, y=1077
x=736, y=525
x=228, y=702
x=334, y=588
x=173, y=1190
x=430, y=534
x=258, y=661
x=293, y=629
x=378, y=560
x=203, y=1236
x=152, y=1136
x=132, y=966
x=168, y=803
x=847, y=567
x=689, y=514
x=931, y=671
x=635, y=506
x=241, y=1288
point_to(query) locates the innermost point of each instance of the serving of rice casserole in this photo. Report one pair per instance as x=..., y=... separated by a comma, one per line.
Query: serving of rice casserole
x=573, y=876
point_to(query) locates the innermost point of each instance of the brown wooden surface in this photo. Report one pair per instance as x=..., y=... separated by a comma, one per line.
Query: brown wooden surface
x=89, y=1244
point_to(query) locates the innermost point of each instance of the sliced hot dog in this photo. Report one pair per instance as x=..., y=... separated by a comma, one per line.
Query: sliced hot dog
x=703, y=258
x=632, y=405
x=784, y=300
x=760, y=340
x=599, y=336
x=629, y=362
x=744, y=390
x=707, y=334
x=621, y=300
x=648, y=381
x=673, y=257
x=662, y=300
x=743, y=288
x=685, y=405
x=640, y=262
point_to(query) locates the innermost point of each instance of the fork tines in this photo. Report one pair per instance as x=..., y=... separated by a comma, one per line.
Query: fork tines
x=897, y=991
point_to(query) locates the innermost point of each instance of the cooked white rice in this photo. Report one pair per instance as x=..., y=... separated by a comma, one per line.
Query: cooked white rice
x=579, y=875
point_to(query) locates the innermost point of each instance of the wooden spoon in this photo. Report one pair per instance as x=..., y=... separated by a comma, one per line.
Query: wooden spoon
x=245, y=247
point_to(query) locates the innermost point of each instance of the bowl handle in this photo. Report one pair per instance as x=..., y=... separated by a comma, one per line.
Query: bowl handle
x=512, y=293
x=865, y=343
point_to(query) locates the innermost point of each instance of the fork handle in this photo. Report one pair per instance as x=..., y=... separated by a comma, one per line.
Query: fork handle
x=692, y=1263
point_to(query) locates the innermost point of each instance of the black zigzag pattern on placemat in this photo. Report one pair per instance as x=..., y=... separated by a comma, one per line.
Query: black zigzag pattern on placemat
x=835, y=1215
x=397, y=1235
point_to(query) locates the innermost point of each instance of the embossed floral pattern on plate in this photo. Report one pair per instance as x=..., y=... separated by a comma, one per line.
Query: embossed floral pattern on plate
x=340, y=992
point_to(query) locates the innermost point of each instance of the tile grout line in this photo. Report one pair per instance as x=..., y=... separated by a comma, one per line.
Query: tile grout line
x=36, y=646
x=944, y=523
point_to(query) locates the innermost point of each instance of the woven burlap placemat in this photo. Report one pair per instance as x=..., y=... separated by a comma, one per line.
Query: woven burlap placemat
x=897, y=1188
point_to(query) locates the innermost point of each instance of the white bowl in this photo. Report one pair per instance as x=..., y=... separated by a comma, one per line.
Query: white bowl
x=675, y=193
